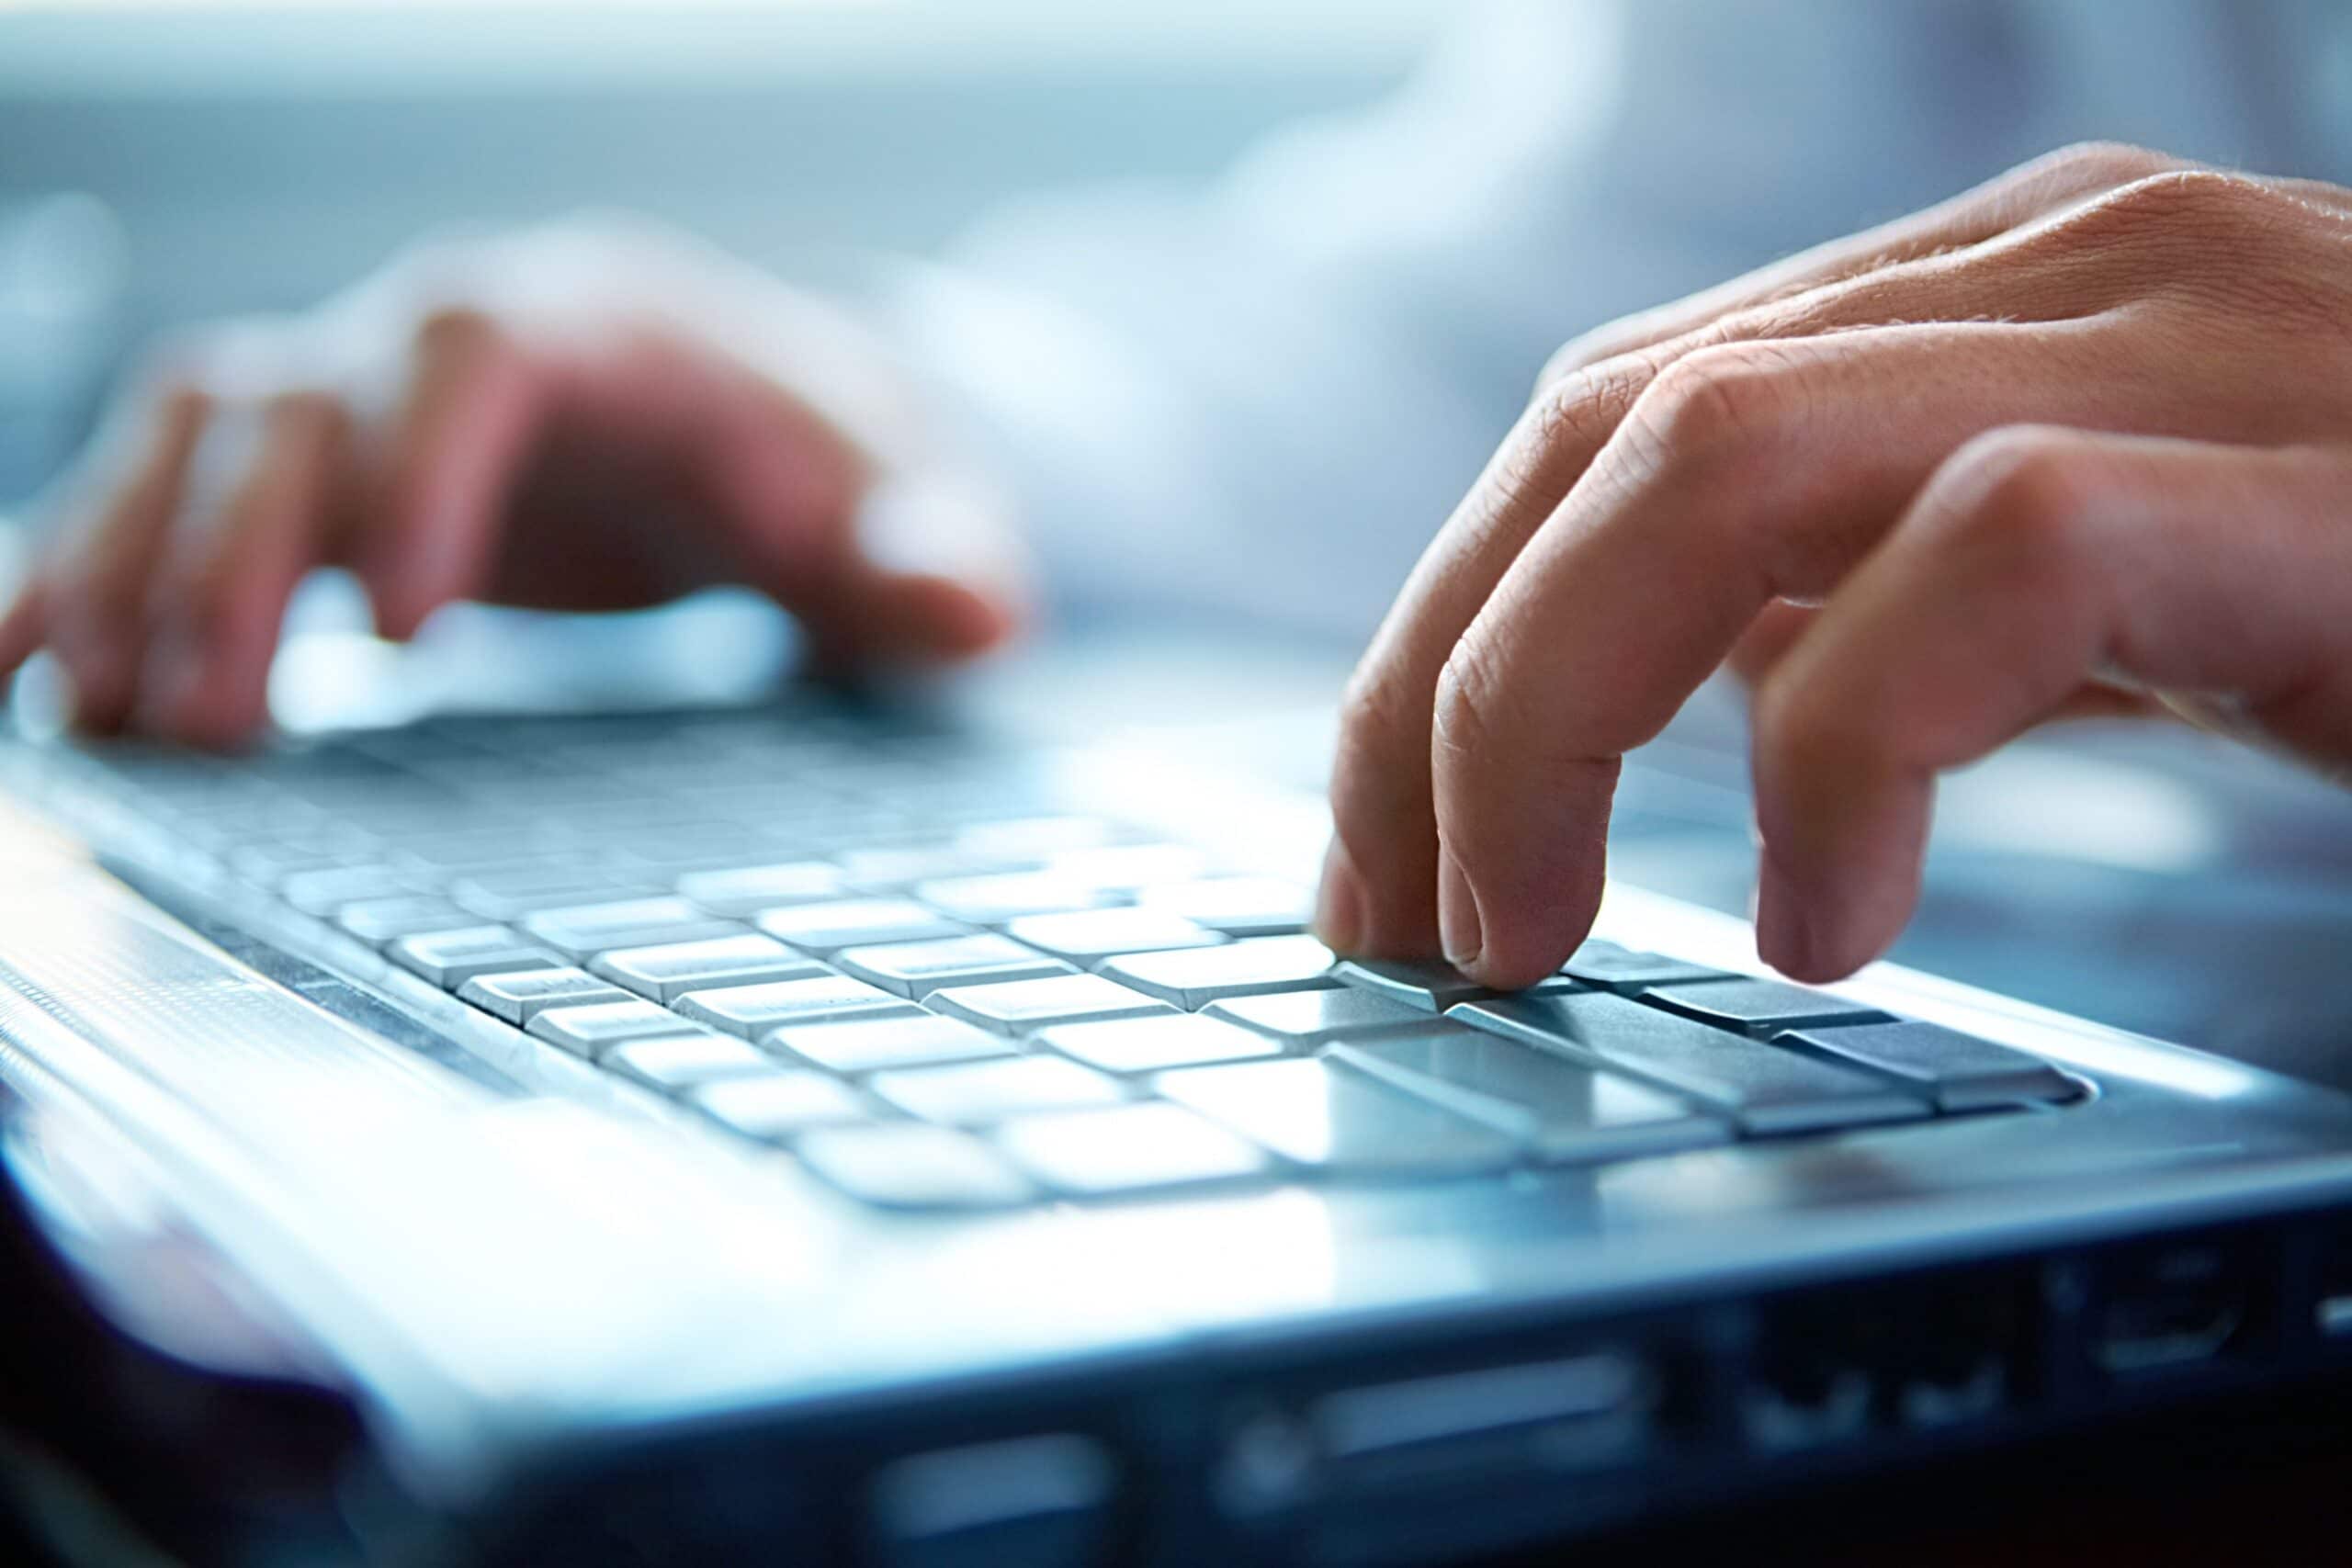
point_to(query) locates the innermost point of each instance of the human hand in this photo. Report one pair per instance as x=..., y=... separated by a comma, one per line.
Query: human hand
x=578, y=418
x=2084, y=430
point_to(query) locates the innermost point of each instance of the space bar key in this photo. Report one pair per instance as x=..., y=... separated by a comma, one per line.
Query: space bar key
x=1767, y=1088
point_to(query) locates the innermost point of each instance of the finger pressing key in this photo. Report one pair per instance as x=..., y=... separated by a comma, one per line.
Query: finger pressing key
x=2036, y=557
x=89, y=603
x=234, y=562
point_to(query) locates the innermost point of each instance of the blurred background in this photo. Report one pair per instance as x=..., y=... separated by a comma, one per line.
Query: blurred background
x=161, y=162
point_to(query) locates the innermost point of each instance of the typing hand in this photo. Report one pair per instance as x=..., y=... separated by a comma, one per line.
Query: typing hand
x=2089, y=426
x=585, y=419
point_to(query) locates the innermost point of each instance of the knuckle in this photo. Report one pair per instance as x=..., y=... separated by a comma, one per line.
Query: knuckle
x=1794, y=731
x=2100, y=164
x=311, y=411
x=1371, y=710
x=2017, y=499
x=1584, y=403
x=1378, y=732
x=456, y=330
x=1609, y=340
x=1465, y=716
x=1805, y=729
x=2169, y=206
x=1725, y=399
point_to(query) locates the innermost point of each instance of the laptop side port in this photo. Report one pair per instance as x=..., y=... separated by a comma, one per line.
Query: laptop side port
x=1433, y=1457
x=2171, y=1306
x=1812, y=1376
x=1922, y=1354
x=2332, y=1300
x=1959, y=1353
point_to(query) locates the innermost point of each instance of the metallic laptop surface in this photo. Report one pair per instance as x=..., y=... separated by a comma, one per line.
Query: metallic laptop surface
x=835, y=1130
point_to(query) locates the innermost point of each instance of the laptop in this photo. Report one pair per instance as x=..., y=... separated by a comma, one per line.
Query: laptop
x=908, y=1132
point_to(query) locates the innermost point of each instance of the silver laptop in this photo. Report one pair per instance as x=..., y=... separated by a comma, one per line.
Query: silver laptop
x=830, y=1130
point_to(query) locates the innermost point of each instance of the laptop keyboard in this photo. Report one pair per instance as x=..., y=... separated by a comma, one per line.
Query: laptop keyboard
x=893, y=956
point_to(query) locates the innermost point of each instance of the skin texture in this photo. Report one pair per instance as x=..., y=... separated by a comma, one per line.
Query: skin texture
x=591, y=417
x=2074, y=441
x=2079, y=440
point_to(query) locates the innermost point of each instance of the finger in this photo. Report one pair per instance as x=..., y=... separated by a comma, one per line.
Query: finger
x=90, y=603
x=241, y=546
x=898, y=566
x=2037, y=557
x=2032, y=190
x=1748, y=473
x=1767, y=639
x=430, y=527
x=25, y=628
x=935, y=573
x=1378, y=879
x=1377, y=897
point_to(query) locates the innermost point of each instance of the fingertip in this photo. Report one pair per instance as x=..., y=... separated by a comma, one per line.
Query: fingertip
x=1513, y=929
x=24, y=628
x=918, y=617
x=1340, y=902
x=398, y=613
x=961, y=619
x=1784, y=928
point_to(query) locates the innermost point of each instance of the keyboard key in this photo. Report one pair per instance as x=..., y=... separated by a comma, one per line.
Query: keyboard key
x=781, y=1104
x=266, y=864
x=1334, y=1119
x=1018, y=1007
x=1085, y=936
x=1126, y=1148
x=1237, y=906
x=521, y=995
x=753, y=1011
x=745, y=890
x=1303, y=1019
x=449, y=959
x=908, y=1166
x=877, y=1044
x=1768, y=1088
x=1005, y=895
x=856, y=922
x=1128, y=868
x=1564, y=1110
x=1196, y=976
x=379, y=921
x=973, y=1094
x=1615, y=969
x=676, y=1063
x=669, y=971
x=1036, y=835
x=669, y=851
x=918, y=968
x=592, y=1030
x=587, y=930
x=442, y=855
x=1431, y=986
x=323, y=892
x=1156, y=1044
x=1962, y=1072
x=511, y=894
x=1760, y=1006
x=895, y=868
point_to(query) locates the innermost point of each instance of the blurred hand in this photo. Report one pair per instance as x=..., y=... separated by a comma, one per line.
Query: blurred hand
x=575, y=418
x=2089, y=426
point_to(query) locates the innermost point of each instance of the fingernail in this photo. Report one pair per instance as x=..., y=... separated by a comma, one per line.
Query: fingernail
x=1459, y=931
x=1785, y=937
x=1338, y=908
